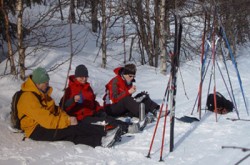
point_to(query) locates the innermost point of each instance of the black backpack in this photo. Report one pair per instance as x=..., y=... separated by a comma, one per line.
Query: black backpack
x=223, y=105
x=14, y=120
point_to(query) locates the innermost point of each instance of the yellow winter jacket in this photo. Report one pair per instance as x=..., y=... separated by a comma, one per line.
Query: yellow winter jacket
x=47, y=114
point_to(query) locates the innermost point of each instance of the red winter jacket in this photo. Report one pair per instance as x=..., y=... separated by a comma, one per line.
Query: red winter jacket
x=81, y=110
x=116, y=89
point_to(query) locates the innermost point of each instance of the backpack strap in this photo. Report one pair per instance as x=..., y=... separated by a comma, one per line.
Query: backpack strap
x=38, y=97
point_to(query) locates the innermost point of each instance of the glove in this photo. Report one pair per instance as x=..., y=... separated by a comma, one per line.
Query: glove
x=138, y=95
x=141, y=96
x=81, y=98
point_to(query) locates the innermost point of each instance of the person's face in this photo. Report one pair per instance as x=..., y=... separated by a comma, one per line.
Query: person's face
x=43, y=86
x=129, y=77
x=82, y=80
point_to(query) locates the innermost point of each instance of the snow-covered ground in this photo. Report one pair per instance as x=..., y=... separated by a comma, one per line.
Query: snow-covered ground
x=197, y=143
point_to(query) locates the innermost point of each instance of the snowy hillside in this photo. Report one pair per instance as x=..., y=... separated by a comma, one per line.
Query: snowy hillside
x=197, y=143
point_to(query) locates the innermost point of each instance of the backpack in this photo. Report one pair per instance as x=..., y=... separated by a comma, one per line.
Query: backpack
x=223, y=105
x=14, y=119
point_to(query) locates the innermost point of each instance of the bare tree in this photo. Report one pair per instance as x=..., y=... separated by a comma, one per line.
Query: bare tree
x=158, y=44
x=142, y=24
x=104, y=31
x=39, y=33
x=162, y=37
x=124, y=30
x=60, y=7
x=94, y=14
x=136, y=12
x=21, y=48
x=6, y=29
x=72, y=11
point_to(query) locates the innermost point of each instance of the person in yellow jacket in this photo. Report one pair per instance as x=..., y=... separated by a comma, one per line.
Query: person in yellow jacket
x=42, y=120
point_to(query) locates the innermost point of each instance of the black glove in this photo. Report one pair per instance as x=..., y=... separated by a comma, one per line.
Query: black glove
x=141, y=96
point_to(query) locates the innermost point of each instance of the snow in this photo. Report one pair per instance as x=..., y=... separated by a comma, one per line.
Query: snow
x=195, y=143
x=198, y=143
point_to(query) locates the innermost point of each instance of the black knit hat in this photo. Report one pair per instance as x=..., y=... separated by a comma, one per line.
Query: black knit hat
x=129, y=69
x=81, y=71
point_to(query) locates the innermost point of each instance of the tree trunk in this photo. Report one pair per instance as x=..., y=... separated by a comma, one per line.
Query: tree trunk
x=157, y=32
x=162, y=38
x=167, y=26
x=142, y=30
x=131, y=48
x=124, y=32
x=21, y=49
x=104, y=30
x=8, y=38
x=151, y=55
x=60, y=6
x=94, y=13
x=2, y=54
x=72, y=11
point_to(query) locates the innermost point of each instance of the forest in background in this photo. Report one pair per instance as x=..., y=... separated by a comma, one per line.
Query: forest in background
x=144, y=28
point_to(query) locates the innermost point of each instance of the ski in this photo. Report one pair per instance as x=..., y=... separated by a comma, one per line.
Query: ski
x=235, y=66
x=170, y=92
x=173, y=83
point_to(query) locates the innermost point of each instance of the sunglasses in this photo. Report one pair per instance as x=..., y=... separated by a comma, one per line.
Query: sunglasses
x=131, y=76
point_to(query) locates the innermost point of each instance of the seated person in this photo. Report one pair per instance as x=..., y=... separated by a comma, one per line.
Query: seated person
x=42, y=120
x=118, y=100
x=79, y=100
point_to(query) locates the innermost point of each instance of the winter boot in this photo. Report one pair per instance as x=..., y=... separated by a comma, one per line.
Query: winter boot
x=134, y=128
x=144, y=123
x=156, y=113
x=111, y=137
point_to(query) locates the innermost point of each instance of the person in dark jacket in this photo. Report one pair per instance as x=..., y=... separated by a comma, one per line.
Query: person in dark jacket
x=42, y=120
x=79, y=100
x=118, y=100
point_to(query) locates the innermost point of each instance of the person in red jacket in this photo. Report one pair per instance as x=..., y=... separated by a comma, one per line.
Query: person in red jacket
x=118, y=100
x=80, y=101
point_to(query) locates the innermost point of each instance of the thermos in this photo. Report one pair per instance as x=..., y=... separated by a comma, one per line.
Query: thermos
x=142, y=112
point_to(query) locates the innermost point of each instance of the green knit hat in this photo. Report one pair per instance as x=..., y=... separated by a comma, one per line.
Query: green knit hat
x=40, y=75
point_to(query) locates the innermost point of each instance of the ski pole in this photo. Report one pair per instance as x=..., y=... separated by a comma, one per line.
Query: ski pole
x=158, y=118
x=164, y=128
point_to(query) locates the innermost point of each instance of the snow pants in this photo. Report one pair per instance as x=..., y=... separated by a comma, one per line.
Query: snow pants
x=83, y=133
x=128, y=106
